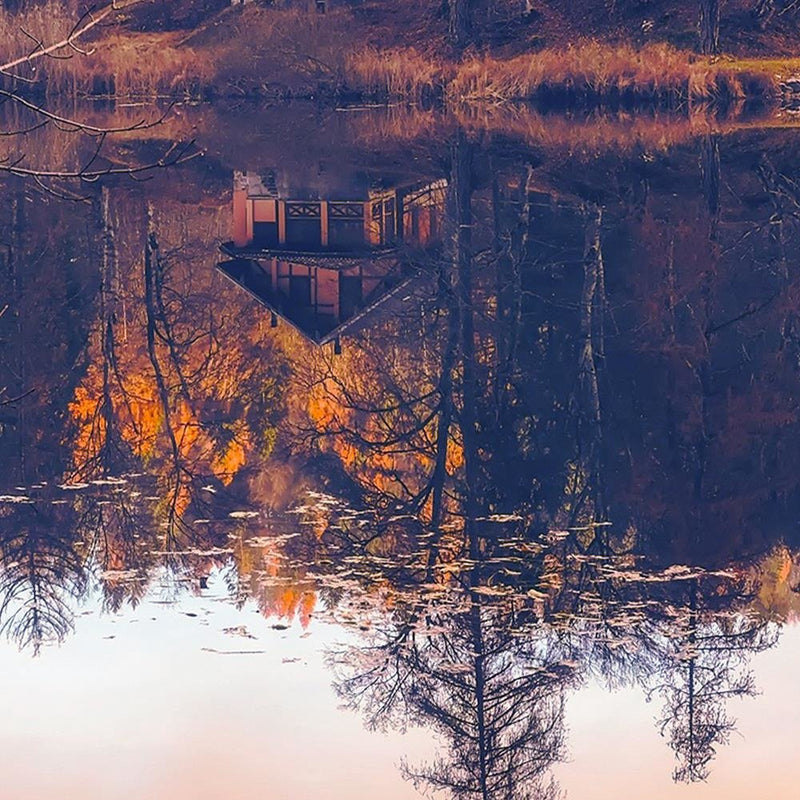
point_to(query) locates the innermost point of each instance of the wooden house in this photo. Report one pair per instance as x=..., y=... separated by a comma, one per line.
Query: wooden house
x=324, y=254
x=267, y=219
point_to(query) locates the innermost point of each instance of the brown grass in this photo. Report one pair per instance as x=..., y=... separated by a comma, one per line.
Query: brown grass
x=592, y=133
x=112, y=61
x=265, y=52
x=592, y=70
x=46, y=23
x=574, y=135
x=133, y=67
x=403, y=74
x=20, y=32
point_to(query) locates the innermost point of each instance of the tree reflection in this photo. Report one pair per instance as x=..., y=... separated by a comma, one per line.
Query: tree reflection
x=704, y=665
x=481, y=452
x=498, y=481
x=458, y=666
x=42, y=575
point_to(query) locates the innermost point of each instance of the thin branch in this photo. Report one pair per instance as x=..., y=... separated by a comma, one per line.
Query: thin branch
x=75, y=125
x=68, y=42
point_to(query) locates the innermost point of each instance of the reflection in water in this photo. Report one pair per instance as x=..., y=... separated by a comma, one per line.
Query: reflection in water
x=42, y=575
x=322, y=263
x=559, y=453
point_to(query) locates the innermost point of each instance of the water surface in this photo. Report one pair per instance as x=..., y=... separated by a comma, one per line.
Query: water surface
x=392, y=451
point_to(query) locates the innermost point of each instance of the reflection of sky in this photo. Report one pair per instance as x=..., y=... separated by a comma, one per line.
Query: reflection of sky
x=616, y=750
x=151, y=714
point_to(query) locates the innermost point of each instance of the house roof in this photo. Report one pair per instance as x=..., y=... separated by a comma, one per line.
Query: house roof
x=258, y=284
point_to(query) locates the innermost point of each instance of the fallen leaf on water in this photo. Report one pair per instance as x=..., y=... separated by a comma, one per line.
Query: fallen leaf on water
x=239, y=630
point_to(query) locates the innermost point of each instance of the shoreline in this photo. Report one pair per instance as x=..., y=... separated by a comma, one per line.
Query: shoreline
x=584, y=76
x=287, y=55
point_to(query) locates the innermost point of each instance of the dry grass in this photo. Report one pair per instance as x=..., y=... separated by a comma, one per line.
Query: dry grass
x=594, y=71
x=592, y=133
x=588, y=134
x=20, y=32
x=45, y=23
x=265, y=52
x=587, y=73
x=394, y=74
x=131, y=67
x=107, y=60
x=134, y=66
x=401, y=124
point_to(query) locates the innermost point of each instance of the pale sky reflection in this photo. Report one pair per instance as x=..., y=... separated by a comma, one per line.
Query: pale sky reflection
x=617, y=752
x=150, y=714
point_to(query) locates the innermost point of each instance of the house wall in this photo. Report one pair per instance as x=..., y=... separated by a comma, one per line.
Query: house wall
x=328, y=291
x=240, y=204
x=414, y=215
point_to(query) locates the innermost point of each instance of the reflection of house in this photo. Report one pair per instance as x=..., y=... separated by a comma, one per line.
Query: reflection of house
x=360, y=218
x=324, y=262
x=321, y=302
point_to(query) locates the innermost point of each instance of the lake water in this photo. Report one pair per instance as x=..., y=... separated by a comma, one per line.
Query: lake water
x=387, y=452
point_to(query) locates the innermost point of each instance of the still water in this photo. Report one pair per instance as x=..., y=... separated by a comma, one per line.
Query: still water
x=385, y=452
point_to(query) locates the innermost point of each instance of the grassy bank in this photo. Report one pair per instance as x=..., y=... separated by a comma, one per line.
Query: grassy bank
x=269, y=53
x=583, y=74
x=594, y=72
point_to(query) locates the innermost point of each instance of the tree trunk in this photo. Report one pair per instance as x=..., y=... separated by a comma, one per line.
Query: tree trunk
x=710, y=172
x=591, y=311
x=460, y=27
x=709, y=26
x=460, y=252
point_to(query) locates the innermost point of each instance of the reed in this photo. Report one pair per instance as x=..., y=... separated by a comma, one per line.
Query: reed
x=20, y=30
x=124, y=66
x=388, y=74
x=577, y=134
x=592, y=71
x=594, y=132
x=106, y=61
x=266, y=52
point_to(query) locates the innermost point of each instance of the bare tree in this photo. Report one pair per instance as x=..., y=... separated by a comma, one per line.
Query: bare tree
x=704, y=667
x=42, y=575
x=58, y=179
x=496, y=698
x=460, y=22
